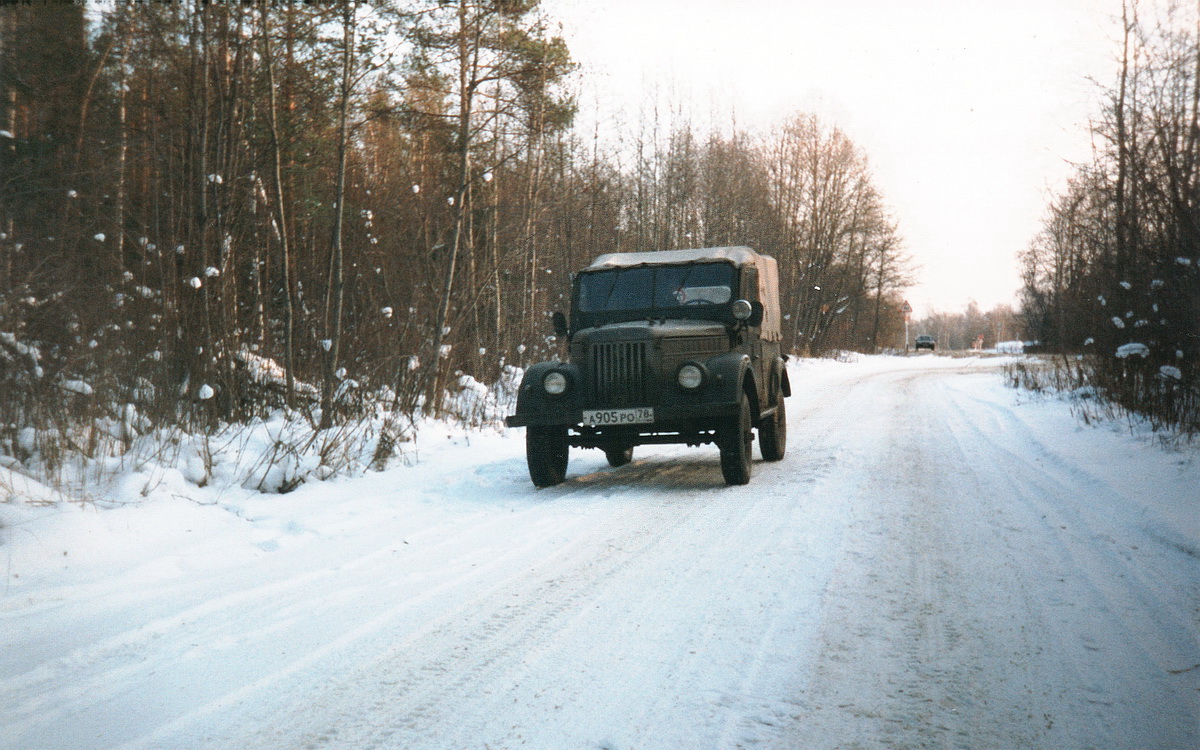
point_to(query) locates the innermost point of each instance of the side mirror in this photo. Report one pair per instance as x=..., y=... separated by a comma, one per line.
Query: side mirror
x=560, y=323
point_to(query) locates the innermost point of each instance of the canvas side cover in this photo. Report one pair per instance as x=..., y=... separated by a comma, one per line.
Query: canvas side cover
x=768, y=294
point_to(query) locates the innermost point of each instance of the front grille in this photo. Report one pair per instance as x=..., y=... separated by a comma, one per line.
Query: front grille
x=620, y=374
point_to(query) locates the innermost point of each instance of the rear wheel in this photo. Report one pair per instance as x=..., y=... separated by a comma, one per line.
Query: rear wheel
x=546, y=453
x=618, y=455
x=772, y=432
x=734, y=439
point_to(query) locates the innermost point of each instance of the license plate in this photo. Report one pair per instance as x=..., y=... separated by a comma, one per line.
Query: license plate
x=615, y=417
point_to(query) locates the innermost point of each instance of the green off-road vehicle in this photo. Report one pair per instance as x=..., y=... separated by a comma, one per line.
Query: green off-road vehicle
x=679, y=346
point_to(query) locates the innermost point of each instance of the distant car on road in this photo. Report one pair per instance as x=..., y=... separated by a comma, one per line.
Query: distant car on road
x=925, y=341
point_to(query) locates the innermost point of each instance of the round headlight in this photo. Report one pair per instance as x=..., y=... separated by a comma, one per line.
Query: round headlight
x=555, y=383
x=690, y=376
x=742, y=310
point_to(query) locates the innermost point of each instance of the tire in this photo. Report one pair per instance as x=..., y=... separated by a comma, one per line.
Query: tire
x=772, y=433
x=618, y=455
x=546, y=453
x=735, y=440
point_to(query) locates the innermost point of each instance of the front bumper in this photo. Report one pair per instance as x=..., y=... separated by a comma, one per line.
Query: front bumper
x=668, y=417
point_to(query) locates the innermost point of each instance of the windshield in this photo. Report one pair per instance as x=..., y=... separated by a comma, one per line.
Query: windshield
x=655, y=287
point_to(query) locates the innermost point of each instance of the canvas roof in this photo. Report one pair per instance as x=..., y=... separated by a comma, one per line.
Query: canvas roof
x=738, y=255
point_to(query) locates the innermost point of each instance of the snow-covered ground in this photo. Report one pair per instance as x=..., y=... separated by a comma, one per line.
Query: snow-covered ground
x=940, y=561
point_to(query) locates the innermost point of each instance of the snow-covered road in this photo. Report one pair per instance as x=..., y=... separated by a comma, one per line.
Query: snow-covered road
x=938, y=562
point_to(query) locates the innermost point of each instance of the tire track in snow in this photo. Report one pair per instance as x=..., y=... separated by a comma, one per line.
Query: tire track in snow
x=91, y=678
x=965, y=625
x=1118, y=603
x=481, y=642
x=509, y=642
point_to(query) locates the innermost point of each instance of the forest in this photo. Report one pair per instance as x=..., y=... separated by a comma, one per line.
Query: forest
x=212, y=212
x=1112, y=281
x=356, y=213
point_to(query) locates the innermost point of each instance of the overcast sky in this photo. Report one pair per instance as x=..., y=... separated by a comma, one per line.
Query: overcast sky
x=969, y=110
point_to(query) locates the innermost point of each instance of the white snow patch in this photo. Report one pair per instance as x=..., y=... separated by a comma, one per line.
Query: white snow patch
x=1133, y=350
x=76, y=386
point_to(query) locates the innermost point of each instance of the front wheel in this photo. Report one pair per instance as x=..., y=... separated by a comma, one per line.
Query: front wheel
x=546, y=453
x=734, y=439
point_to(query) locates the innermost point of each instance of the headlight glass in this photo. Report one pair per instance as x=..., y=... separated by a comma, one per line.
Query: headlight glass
x=555, y=383
x=690, y=376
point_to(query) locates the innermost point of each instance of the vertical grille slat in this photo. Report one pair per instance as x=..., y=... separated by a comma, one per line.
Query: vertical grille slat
x=619, y=376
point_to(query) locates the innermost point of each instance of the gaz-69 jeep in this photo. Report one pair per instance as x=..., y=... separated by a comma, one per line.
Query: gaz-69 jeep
x=679, y=346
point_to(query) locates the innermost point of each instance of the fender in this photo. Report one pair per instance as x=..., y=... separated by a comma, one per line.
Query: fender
x=730, y=372
x=779, y=375
x=535, y=406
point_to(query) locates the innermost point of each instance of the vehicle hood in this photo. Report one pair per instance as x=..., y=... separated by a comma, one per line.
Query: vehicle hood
x=642, y=330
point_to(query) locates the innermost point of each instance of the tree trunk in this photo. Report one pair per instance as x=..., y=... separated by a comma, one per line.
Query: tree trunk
x=118, y=229
x=433, y=362
x=289, y=316
x=335, y=289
